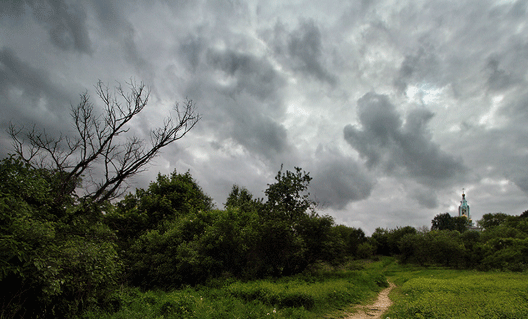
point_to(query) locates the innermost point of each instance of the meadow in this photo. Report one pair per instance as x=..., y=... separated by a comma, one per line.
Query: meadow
x=450, y=293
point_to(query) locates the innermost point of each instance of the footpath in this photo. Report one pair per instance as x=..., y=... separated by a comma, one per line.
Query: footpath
x=376, y=310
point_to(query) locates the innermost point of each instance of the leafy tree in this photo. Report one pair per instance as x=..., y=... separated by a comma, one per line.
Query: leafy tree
x=101, y=139
x=192, y=248
x=491, y=220
x=395, y=235
x=288, y=198
x=241, y=198
x=380, y=238
x=319, y=240
x=416, y=248
x=473, y=248
x=352, y=238
x=506, y=254
x=55, y=259
x=445, y=247
x=442, y=222
x=166, y=198
x=285, y=217
x=460, y=223
x=365, y=250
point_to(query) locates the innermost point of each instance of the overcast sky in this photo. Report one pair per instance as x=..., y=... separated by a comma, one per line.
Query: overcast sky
x=392, y=106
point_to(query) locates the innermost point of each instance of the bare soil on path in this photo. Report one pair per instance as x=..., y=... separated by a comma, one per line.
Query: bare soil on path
x=377, y=309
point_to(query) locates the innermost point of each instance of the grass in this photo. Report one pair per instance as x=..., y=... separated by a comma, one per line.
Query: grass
x=327, y=292
x=447, y=293
x=313, y=294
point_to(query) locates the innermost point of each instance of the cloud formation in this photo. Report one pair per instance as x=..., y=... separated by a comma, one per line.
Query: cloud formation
x=64, y=21
x=392, y=107
x=338, y=180
x=400, y=147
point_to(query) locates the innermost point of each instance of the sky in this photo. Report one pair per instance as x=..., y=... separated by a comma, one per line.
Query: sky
x=392, y=107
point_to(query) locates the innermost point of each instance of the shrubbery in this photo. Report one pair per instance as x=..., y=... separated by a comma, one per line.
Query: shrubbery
x=502, y=244
x=57, y=257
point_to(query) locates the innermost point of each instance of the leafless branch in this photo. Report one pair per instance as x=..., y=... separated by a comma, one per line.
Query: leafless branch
x=101, y=139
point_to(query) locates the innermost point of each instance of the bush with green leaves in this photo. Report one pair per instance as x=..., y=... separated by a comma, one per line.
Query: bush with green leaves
x=56, y=257
x=166, y=198
x=192, y=249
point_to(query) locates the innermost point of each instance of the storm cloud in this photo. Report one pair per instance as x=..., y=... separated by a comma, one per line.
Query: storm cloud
x=393, y=107
x=399, y=146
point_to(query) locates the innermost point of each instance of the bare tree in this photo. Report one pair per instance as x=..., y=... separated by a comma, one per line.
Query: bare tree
x=102, y=141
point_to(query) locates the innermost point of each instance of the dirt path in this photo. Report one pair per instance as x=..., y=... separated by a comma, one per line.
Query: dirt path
x=375, y=310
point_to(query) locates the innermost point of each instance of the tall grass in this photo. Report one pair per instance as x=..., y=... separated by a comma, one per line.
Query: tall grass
x=308, y=295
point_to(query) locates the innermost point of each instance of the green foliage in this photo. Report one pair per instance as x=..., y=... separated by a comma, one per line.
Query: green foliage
x=241, y=198
x=287, y=198
x=169, y=236
x=55, y=259
x=491, y=220
x=380, y=238
x=194, y=248
x=446, y=222
x=165, y=199
x=352, y=239
x=505, y=254
x=501, y=245
x=443, y=247
x=387, y=241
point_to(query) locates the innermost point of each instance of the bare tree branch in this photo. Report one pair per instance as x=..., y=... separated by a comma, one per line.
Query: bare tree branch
x=102, y=141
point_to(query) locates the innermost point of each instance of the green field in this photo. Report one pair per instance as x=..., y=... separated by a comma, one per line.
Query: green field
x=448, y=293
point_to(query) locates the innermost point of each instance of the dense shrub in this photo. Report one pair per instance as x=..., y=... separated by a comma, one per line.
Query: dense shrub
x=56, y=258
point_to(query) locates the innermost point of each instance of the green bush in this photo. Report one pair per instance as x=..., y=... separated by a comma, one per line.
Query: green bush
x=56, y=258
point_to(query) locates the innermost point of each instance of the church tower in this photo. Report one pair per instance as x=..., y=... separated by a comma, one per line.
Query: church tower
x=463, y=209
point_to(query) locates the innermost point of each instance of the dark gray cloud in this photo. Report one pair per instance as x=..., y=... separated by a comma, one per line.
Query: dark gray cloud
x=25, y=88
x=191, y=49
x=65, y=21
x=243, y=96
x=400, y=148
x=305, y=47
x=301, y=49
x=338, y=180
x=425, y=197
x=499, y=79
x=423, y=66
x=246, y=73
x=114, y=24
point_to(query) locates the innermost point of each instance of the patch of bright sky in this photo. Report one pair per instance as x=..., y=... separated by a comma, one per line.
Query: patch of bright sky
x=232, y=148
x=489, y=120
x=502, y=184
x=425, y=94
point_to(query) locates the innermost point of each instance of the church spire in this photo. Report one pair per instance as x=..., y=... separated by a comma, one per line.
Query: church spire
x=463, y=209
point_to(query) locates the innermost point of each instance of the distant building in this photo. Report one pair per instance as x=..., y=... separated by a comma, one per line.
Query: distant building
x=463, y=211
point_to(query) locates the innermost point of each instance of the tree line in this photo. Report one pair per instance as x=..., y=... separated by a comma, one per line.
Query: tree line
x=501, y=243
